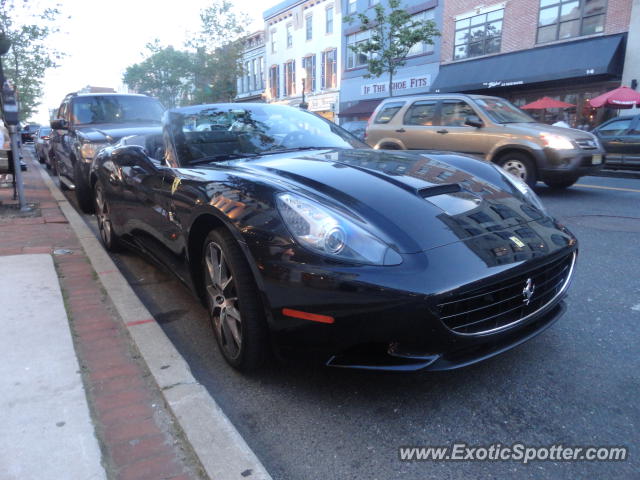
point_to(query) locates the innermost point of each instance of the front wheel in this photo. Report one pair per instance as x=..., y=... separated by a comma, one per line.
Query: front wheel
x=520, y=165
x=103, y=214
x=233, y=302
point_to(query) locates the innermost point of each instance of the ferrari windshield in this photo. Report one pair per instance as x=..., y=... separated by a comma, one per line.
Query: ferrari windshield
x=220, y=132
x=502, y=111
x=116, y=109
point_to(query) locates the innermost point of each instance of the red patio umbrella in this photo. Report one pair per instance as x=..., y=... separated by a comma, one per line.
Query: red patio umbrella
x=546, y=102
x=621, y=97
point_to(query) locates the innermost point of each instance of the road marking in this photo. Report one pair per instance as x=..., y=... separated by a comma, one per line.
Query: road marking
x=607, y=188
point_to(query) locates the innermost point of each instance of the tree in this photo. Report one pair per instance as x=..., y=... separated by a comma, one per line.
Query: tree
x=166, y=74
x=219, y=46
x=29, y=55
x=393, y=32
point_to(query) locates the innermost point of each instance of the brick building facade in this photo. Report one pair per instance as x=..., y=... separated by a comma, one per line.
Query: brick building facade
x=571, y=50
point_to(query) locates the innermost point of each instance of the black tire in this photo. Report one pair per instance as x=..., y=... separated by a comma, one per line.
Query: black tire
x=84, y=192
x=253, y=349
x=390, y=146
x=40, y=157
x=521, y=165
x=560, y=183
x=110, y=240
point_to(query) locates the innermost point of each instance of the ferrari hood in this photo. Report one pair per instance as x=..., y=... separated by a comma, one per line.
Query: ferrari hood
x=415, y=201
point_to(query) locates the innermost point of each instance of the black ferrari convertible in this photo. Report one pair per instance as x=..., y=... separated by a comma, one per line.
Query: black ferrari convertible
x=301, y=239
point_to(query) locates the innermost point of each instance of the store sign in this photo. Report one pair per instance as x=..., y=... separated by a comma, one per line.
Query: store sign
x=423, y=81
x=323, y=102
x=500, y=83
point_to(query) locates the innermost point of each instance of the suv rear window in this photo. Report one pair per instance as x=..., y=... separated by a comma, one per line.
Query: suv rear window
x=388, y=111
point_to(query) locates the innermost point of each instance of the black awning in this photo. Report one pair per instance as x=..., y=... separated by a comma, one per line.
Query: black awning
x=598, y=57
x=364, y=107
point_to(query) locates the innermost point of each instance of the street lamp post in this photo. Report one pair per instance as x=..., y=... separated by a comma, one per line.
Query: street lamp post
x=303, y=75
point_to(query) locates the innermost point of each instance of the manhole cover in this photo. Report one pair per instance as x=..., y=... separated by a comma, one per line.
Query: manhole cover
x=606, y=223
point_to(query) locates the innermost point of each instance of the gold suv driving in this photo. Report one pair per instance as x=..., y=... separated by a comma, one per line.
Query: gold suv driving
x=489, y=128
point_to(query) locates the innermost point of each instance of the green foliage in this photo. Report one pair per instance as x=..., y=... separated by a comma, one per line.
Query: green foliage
x=166, y=74
x=219, y=48
x=393, y=32
x=29, y=55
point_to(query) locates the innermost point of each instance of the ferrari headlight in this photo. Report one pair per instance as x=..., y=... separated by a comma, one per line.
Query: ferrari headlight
x=89, y=150
x=557, y=142
x=330, y=233
x=523, y=188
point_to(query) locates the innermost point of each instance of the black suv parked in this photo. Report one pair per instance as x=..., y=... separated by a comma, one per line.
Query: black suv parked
x=86, y=122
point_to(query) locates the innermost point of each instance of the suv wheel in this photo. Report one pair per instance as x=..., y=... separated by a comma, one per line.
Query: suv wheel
x=84, y=194
x=520, y=165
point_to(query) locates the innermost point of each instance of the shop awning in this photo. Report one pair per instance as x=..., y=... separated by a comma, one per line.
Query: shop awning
x=364, y=107
x=591, y=57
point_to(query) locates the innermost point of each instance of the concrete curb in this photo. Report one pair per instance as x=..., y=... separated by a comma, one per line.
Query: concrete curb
x=223, y=452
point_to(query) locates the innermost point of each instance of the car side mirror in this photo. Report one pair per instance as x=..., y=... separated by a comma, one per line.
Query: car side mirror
x=59, y=124
x=473, y=121
x=136, y=155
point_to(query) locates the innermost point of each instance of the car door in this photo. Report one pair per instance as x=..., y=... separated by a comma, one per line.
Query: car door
x=454, y=135
x=631, y=144
x=419, y=126
x=611, y=135
x=58, y=135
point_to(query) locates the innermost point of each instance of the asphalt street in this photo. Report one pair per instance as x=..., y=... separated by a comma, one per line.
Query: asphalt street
x=576, y=384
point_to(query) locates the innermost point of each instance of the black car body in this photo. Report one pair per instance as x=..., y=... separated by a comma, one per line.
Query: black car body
x=87, y=122
x=620, y=137
x=465, y=264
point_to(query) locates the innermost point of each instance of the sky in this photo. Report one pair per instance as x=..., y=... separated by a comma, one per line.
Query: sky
x=103, y=37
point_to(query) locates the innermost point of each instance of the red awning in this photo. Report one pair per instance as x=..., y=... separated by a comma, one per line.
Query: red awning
x=621, y=97
x=546, y=102
x=364, y=107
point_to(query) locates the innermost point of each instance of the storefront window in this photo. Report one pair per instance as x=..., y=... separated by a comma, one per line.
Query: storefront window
x=478, y=35
x=561, y=19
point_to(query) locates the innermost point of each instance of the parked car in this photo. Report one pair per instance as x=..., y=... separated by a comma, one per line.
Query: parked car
x=357, y=128
x=620, y=137
x=297, y=235
x=28, y=132
x=42, y=145
x=87, y=122
x=489, y=128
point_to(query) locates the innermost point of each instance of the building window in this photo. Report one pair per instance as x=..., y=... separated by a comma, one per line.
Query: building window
x=478, y=35
x=290, y=78
x=261, y=66
x=289, y=36
x=309, y=65
x=351, y=6
x=329, y=20
x=422, y=47
x=560, y=19
x=274, y=81
x=247, y=75
x=357, y=59
x=254, y=75
x=329, y=69
x=373, y=2
x=273, y=41
x=308, y=22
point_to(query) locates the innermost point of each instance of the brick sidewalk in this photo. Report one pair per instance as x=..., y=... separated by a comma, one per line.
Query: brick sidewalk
x=135, y=431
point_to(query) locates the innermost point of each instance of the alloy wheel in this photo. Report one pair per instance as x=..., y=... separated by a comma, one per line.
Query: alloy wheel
x=222, y=298
x=102, y=214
